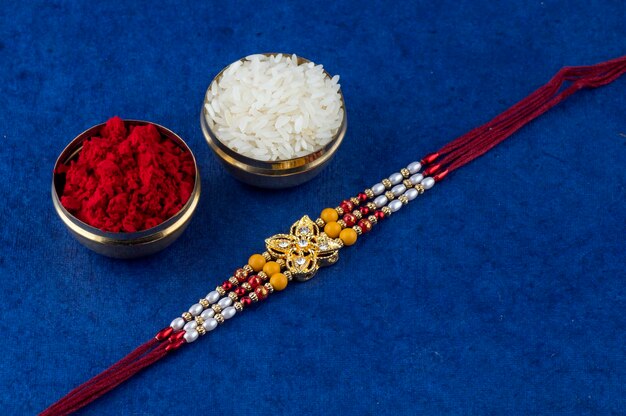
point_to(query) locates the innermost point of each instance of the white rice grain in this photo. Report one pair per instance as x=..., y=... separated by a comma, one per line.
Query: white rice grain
x=271, y=108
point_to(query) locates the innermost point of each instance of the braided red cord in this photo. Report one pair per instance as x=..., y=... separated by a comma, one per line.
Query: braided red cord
x=483, y=138
x=140, y=358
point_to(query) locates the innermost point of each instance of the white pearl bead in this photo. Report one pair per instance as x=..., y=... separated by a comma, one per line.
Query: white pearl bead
x=396, y=178
x=417, y=178
x=414, y=167
x=191, y=336
x=229, y=312
x=395, y=205
x=209, y=313
x=380, y=201
x=213, y=297
x=411, y=194
x=428, y=182
x=398, y=190
x=190, y=326
x=178, y=324
x=378, y=189
x=210, y=324
x=196, y=309
x=225, y=302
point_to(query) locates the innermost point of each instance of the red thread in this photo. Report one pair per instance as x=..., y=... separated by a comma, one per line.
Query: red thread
x=137, y=360
x=483, y=138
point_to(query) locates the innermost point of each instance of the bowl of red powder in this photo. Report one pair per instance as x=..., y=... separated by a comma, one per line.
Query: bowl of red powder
x=126, y=188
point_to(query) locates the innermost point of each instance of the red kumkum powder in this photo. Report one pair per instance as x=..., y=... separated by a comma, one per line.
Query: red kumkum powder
x=128, y=180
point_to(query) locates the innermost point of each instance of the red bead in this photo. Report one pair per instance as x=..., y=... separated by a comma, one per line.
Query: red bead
x=364, y=210
x=379, y=215
x=349, y=219
x=245, y=301
x=429, y=158
x=255, y=281
x=175, y=345
x=240, y=275
x=177, y=336
x=240, y=291
x=346, y=205
x=431, y=169
x=440, y=175
x=365, y=225
x=362, y=196
x=261, y=292
x=227, y=286
x=164, y=333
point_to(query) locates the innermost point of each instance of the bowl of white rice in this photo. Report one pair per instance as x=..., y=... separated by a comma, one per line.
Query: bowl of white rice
x=274, y=120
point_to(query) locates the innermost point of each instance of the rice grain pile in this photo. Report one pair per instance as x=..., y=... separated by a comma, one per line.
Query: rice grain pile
x=271, y=108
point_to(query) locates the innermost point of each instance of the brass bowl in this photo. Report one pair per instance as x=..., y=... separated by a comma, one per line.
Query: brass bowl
x=123, y=245
x=272, y=174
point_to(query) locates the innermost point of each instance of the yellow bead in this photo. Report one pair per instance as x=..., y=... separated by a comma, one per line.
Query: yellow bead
x=271, y=268
x=329, y=215
x=332, y=229
x=348, y=236
x=279, y=281
x=256, y=261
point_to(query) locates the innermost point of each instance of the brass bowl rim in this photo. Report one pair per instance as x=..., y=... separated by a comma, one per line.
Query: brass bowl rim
x=286, y=167
x=149, y=235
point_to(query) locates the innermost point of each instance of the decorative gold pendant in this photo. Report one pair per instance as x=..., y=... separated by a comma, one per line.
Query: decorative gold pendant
x=305, y=249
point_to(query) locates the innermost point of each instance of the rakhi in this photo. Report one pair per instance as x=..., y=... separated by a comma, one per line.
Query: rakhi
x=311, y=244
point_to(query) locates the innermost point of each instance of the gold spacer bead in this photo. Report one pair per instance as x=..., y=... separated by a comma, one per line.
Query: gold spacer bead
x=201, y=330
x=205, y=303
x=357, y=214
x=358, y=229
x=403, y=199
x=371, y=205
x=320, y=222
x=386, y=210
x=220, y=290
x=269, y=287
x=420, y=188
x=342, y=223
x=216, y=308
x=339, y=211
x=199, y=320
x=233, y=296
x=405, y=172
x=373, y=219
x=288, y=275
x=281, y=263
x=262, y=275
x=267, y=256
x=246, y=286
x=355, y=200
x=253, y=297
x=238, y=306
x=247, y=269
x=390, y=196
x=369, y=193
x=386, y=182
x=219, y=318
x=188, y=317
x=407, y=183
x=233, y=280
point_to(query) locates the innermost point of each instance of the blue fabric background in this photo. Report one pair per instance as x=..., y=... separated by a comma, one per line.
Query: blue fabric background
x=500, y=292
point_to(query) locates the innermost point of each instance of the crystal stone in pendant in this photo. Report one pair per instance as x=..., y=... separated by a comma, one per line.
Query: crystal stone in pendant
x=305, y=230
x=283, y=244
x=303, y=243
x=300, y=261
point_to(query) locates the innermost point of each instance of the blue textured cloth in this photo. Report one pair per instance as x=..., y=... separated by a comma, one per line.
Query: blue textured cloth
x=502, y=291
